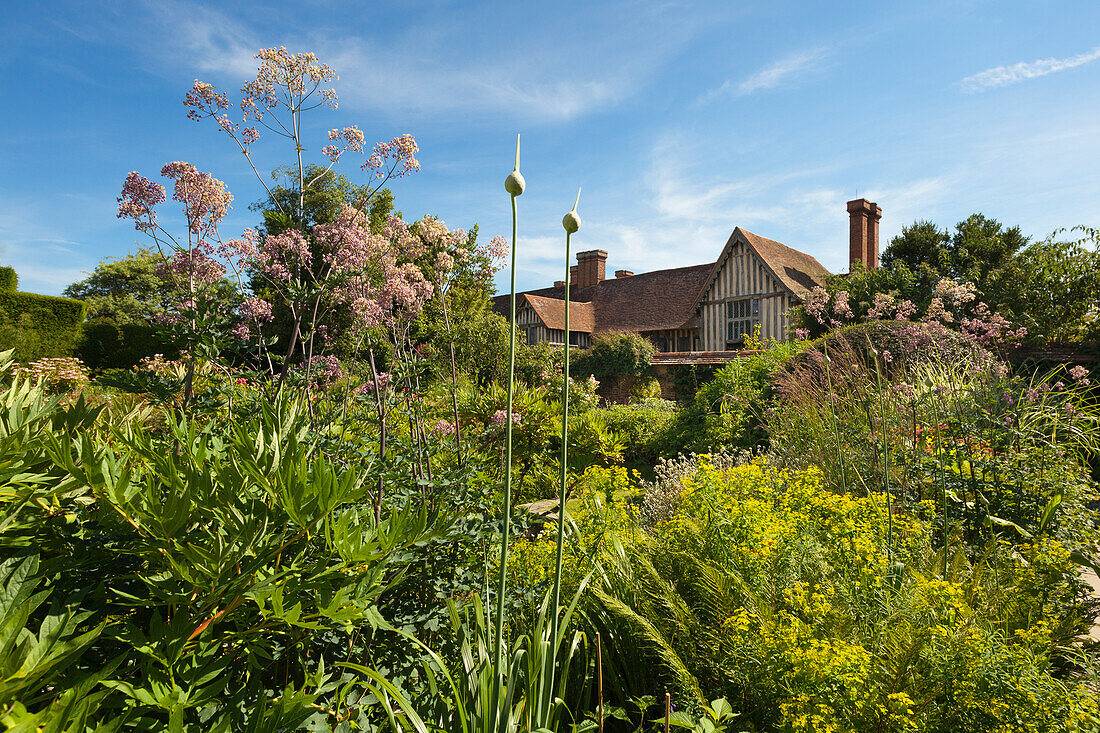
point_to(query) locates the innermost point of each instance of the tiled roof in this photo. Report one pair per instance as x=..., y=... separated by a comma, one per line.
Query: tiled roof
x=798, y=271
x=651, y=301
x=552, y=313
x=663, y=299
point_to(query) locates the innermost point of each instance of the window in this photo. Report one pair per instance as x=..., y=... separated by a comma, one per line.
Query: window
x=741, y=318
x=533, y=335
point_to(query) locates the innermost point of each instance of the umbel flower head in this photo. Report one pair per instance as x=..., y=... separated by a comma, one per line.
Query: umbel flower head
x=572, y=220
x=514, y=183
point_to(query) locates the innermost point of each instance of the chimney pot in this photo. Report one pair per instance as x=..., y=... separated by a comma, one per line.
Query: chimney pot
x=623, y=273
x=863, y=219
x=559, y=283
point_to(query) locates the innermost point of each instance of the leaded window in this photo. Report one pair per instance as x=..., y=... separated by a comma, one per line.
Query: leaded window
x=741, y=319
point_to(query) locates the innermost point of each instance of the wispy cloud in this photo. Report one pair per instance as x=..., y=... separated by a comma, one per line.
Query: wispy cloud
x=1000, y=76
x=785, y=71
x=428, y=68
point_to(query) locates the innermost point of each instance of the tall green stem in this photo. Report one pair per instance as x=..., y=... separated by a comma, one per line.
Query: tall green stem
x=498, y=644
x=564, y=470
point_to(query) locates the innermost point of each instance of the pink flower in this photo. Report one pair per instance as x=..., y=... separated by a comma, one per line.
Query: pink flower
x=393, y=159
x=498, y=418
x=256, y=309
x=139, y=196
x=444, y=427
x=205, y=199
x=840, y=304
x=883, y=303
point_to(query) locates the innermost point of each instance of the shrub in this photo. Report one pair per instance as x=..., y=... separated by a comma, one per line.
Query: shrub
x=55, y=323
x=791, y=601
x=614, y=356
x=9, y=281
x=901, y=344
x=727, y=412
x=108, y=345
x=641, y=427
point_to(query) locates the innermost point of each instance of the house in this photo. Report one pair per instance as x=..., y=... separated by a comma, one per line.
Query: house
x=709, y=307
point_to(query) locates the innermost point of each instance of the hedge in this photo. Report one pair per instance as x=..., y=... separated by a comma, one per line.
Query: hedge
x=40, y=325
x=9, y=281
x=107, y=345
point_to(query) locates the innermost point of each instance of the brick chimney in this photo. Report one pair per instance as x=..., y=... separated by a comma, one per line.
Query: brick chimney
x=620, y=274
x=591, y=267
x=863, y=234
x=559, y=283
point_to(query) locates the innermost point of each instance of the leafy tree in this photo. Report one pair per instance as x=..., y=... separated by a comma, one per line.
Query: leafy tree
x=129, y=290
x=1049, y=287
x=1054, y=288
x=326, y=195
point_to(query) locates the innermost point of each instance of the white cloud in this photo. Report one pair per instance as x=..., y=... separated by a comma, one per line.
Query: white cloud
x=430, y=69
x=787, y=70
x=1000, y=76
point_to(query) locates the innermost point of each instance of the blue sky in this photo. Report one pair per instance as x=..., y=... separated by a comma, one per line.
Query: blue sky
x=681, y=120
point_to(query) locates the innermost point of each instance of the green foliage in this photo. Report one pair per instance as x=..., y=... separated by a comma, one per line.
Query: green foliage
x=791, y=602
x=328, y=193
x=1054, y=289
x=642, y=428
x=727, y=411
x=614, y=356
x=213, y=577
x=109, y=345
x=39, y=326
x=124, y=291
x=9, y=281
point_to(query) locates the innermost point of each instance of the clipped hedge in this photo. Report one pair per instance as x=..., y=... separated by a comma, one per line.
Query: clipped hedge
x=108, y=345
x=9, y=281
x=39, y=325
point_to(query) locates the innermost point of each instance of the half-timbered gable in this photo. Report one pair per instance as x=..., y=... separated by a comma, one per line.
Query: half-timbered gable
x=755, y=282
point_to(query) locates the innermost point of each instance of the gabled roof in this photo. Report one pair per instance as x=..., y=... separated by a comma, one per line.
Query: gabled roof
x=651, y=301
x=796, y=271
x=552, y=312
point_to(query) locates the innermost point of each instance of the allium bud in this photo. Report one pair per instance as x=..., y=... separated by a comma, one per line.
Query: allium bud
x=572, y=220
x=514, y=183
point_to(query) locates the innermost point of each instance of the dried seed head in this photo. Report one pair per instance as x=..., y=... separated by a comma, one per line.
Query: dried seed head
x=572, y=220
x=514, y=183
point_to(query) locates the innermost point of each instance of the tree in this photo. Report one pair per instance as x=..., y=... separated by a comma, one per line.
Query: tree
x=130, y=290
x=1054, y=288
x=329, y=193
x=1041, y=286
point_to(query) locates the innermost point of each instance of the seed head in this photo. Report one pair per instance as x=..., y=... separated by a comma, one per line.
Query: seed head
x=514, y=183
x=572, y=220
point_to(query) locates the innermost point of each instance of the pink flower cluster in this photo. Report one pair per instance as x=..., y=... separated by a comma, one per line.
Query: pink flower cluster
x=205, y=199
x=1080, y=375
x=138, y=199
x=58, y=373
x=375, y=385
x=990, y=329
x=394, y=159
x=351, y=138
x=193, y=266
x=444, y=427
x=323, y=370
x=499, y=418
x=298, y=75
